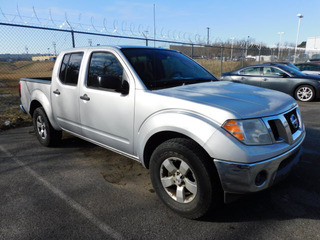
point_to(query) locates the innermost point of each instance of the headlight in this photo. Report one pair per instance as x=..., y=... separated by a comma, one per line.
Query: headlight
x=251, y=131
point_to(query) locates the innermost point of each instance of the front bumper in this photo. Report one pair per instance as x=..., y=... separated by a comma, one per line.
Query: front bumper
x=239, y=178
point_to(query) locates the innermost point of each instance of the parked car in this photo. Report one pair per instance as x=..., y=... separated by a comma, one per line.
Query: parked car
x=314, y=60
x=312, y=68
x=278, y=77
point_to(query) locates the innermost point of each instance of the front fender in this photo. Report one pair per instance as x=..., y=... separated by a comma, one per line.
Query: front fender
x=39, y=96
x=193, y=125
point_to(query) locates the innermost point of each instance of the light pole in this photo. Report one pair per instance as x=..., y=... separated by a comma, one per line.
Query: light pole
x=299, y=15
x=208, y=29
x=280, y=33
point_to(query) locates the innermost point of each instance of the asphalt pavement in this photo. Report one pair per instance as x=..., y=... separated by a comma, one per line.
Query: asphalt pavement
x=81, y=191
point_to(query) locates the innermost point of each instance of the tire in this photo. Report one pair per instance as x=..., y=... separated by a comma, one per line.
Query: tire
x=304, y=93
x=185, y=178
x=44, y=131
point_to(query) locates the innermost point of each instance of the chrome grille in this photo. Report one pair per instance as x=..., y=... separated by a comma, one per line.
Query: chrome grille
x=286, y=127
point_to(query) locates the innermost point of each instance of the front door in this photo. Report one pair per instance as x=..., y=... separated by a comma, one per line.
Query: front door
x=251, y=76
x=106, y=115
x=276, y=79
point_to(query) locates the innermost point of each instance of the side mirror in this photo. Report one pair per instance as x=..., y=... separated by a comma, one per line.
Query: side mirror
x=113, y=83
x=109, y=82
x=124, y=87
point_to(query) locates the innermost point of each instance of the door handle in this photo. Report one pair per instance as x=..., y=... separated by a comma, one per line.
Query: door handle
x=56, y=92
x=85, y=97
x=265, y=79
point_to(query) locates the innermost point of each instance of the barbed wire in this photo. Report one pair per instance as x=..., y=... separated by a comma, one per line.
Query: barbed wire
x=117, y=28
x=114, y=27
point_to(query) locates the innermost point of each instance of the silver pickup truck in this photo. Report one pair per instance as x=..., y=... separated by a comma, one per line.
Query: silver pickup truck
x=204, y=140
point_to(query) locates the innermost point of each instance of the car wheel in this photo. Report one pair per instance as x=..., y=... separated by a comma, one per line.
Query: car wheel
x=305, y=93
x=44, y=131
x=185, y=178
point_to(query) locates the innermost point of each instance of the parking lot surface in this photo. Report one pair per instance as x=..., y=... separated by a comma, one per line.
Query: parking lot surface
x=81, y=191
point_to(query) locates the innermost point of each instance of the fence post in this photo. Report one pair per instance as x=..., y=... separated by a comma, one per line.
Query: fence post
x=222, y=50
x=191, y=50
x=260, y=55
x=146, y=42
x=73, y=43
x=242, y=59
x=72, y=34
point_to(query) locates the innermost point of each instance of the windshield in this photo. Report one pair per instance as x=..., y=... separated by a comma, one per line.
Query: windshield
x=161, y=68
x=291, y=70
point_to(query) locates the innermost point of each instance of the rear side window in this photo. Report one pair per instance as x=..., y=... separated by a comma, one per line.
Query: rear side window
x=70, y=67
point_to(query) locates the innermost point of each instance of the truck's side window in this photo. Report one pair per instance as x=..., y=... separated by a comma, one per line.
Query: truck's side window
x=70, y=67
x=103, y=64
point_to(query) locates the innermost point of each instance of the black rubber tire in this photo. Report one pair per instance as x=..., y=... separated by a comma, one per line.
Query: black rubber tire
x=309, y=89
x=209, y=192
x=44, y=131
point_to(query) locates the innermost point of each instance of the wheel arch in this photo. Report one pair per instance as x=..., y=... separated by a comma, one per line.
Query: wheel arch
x=167, y=126
x=41, y=100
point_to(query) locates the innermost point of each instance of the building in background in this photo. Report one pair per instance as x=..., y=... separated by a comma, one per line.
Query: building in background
x=313, y=47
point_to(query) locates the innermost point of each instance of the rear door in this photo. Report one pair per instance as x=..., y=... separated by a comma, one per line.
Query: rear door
x=65, y=93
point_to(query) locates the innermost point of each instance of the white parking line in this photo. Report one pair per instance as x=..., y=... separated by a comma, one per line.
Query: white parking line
x=80, y=209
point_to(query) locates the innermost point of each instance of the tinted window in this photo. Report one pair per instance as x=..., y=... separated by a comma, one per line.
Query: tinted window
x=70, y=68
x=251, y=71
x=159, y=68
x=103, y=63
x=271, y=71
x=63, y=68
x=310, y=67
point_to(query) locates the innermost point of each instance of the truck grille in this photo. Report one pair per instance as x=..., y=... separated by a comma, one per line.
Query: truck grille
x=286, y=127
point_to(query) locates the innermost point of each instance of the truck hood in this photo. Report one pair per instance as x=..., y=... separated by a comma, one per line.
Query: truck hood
x=242, y=100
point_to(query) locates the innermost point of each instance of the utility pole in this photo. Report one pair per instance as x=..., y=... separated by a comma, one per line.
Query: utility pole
x=208, y=29
x=231, y=56
x=247, y=46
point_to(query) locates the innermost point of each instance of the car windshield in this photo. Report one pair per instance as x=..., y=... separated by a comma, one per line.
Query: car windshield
x=161, y=68
x=291, y=70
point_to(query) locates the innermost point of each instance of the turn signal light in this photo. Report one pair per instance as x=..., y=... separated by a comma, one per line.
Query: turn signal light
x=233, y=127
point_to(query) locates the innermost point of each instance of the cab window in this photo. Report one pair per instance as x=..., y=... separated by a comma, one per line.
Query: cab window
x=103, y=64
x=70, y=68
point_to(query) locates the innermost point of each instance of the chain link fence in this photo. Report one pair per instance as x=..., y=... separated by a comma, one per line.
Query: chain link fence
x=23, y=47
x=30, y=51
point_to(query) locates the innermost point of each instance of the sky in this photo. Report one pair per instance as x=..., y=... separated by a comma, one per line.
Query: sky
x=257, y=20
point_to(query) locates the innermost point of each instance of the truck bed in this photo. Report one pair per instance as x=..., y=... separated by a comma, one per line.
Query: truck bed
x=45, y=80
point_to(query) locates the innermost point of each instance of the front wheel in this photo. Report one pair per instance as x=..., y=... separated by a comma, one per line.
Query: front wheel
x=305, y=93
x=44, y=131
x=185, y=178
